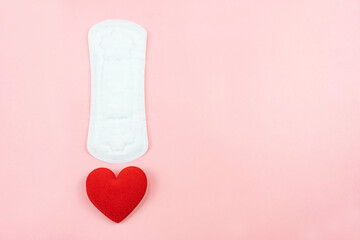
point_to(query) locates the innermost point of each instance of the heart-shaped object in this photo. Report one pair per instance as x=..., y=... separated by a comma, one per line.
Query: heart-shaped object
x=116, y=197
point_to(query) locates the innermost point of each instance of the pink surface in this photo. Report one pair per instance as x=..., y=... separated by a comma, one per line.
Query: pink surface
x=253, y=112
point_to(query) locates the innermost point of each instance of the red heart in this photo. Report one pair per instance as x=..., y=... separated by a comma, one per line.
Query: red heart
x=116, y=197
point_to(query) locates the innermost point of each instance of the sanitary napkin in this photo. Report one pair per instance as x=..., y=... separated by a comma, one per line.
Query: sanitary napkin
x=117, y=130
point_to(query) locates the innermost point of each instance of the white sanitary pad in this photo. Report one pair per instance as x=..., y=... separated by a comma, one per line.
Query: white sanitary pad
x=117, y=131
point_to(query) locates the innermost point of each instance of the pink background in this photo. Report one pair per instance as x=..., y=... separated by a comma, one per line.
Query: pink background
x=253, y=112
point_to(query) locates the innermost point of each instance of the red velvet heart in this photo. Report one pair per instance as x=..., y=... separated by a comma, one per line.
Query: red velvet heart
x=116, y=197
